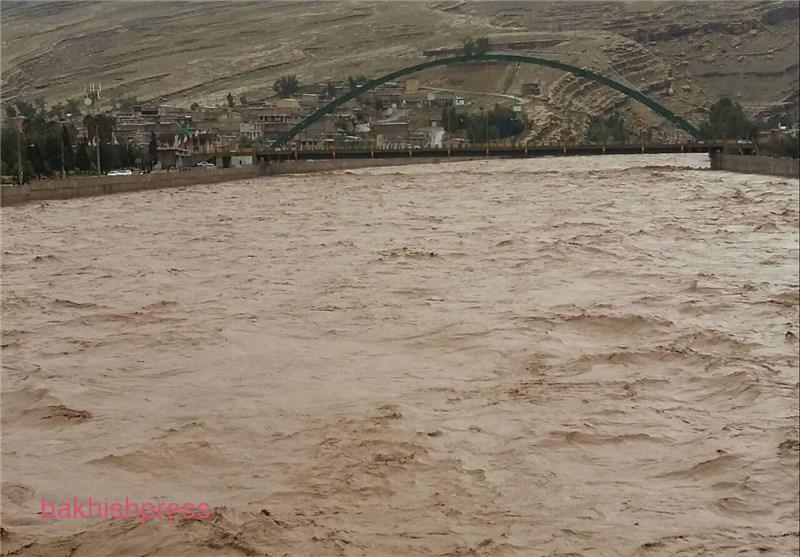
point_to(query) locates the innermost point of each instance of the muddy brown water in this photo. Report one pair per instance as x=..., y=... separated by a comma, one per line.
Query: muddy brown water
x=569, y=356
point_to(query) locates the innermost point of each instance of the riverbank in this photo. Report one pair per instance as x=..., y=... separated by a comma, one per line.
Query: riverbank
x=749, y=164
x=87, y=186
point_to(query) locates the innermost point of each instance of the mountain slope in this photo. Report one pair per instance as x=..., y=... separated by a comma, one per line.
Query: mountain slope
x=180, y=52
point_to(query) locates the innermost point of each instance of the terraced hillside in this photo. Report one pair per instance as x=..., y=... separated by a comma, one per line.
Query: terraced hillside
x=685, y=54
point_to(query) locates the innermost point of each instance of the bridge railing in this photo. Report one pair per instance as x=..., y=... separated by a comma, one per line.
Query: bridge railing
x=354, y=151
x=366, y=146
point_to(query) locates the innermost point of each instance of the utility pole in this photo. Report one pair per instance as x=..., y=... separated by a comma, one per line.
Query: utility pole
x=63, y=171
x=487, y=130
x=373, y=130
x=97, y=144
x=63, y=134
x=19, y=155
x=451, y=131
x=93, y=95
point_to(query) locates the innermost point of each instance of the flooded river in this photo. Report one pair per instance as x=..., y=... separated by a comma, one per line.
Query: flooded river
x=570, y=356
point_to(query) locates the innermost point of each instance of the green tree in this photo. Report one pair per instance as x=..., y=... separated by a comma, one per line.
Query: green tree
x=230, y=99
x=481, y=45
x=598, y=132
x=73, y=107
x=102, y=124
x=44, y=141
x=56, y=111
x=453, y=119
x=34, y=156
x=26, y=109
x=727, y=120
x=286, y=85
x=786, y=146
x=194, y=106
x=469, y=47
x=345, y=125
x=152, y=150
x=83, y=159
x=8, y=146
x=126, y=104
x=354, y=81
x=616, y=125
x=604, y=130
x=499, y=123
x=330, y=90
x=242, y=100
x=110, y=156
x=505, y=121
x=69, y=154
x=51, y=153
x=129, y=154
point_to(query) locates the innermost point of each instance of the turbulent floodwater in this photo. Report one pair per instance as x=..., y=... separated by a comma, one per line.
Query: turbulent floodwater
x=571, y=356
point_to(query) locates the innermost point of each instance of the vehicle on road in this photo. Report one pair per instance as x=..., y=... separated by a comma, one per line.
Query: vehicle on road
x=120, y=172
x=206, y=164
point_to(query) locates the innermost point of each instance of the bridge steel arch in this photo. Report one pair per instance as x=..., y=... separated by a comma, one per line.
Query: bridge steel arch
x=656, y=107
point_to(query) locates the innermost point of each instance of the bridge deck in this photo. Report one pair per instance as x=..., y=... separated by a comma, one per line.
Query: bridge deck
x=490, y=151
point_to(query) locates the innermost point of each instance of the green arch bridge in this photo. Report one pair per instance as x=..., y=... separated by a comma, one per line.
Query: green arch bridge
x=655, y=106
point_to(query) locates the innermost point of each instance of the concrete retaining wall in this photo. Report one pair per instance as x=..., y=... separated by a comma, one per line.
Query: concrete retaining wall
x=86, y=186
x=42, y=190
x=755, y=165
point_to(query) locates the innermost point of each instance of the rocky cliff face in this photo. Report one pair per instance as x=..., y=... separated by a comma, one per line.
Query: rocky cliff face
x=684, y=54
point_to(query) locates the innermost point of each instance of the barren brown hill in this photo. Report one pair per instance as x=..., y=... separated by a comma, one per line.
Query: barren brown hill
x=685, y=54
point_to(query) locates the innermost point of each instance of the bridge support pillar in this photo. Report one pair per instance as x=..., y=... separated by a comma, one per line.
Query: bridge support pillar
x=716, y=159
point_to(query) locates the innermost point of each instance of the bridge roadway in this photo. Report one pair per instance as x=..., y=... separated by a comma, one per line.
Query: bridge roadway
x=484, y=151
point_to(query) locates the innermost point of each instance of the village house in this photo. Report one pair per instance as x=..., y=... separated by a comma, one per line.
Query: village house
x=319, y=134
x=137, y=125
x=389, y=95
x=287, y=104
x=250, y=130
x=392, y=135
x=222, y=118
x=410, y=85
x=441, y=99
x=134, y=127
x=270, y=119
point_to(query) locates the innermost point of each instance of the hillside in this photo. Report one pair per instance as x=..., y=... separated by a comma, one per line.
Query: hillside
x=685, y=54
